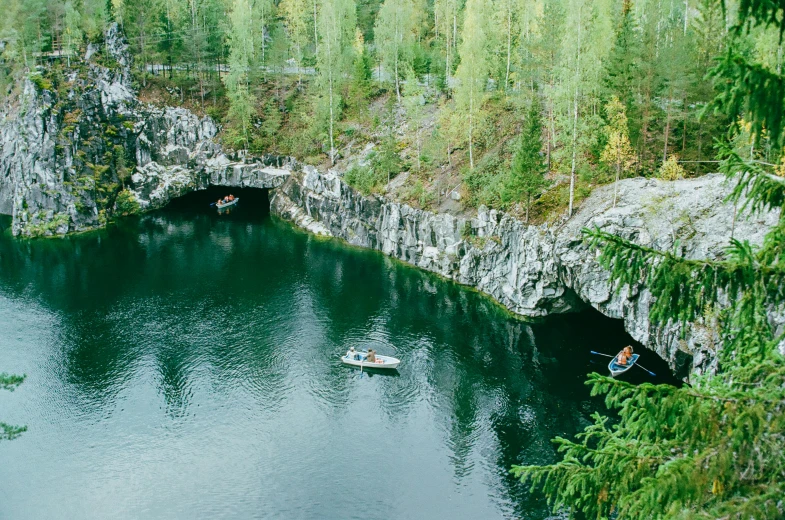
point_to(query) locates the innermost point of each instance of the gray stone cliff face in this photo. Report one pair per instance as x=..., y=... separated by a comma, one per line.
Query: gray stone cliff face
x=76, y=139
x=53, y=139
x=539, y=270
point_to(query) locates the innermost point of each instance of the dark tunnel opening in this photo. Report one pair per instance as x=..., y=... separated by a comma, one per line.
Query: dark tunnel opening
x=253, y=202
x=576, y=335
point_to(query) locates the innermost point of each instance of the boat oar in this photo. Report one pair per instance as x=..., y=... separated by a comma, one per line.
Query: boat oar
x=646, y=369
x=601, y=354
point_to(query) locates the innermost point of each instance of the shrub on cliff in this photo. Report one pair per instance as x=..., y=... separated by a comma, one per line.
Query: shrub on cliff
x=715, y=448
x=126, y=204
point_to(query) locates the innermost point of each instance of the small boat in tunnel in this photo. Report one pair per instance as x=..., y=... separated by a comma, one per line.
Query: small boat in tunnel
x=617, y=369
x=224, y=205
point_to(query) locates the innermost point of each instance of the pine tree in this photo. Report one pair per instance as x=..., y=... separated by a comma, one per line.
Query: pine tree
x=7, y=431
x=526, y=179
x=141, y=20
x=622, y=63
x=715, y=448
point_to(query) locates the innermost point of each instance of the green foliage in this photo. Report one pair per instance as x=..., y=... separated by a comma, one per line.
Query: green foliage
x=526, y=179
x=10, y=382
x=671, y=170
x=40, y=82
x=417, y=192
x=48, y=227
x=364, y=179
x=383, y=166
x=472, y=73
x=715, y=448
x=126, y=204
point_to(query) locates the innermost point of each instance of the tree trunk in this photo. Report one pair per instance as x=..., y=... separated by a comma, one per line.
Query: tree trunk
x=618, y=175
x=575, y=118
x=471, y=128
x=509, y=43
x=315, y=31
x=574, y=151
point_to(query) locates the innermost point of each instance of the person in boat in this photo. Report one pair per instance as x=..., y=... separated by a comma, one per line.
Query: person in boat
x=624, y=356
x=231, y=197
x=371, y=357
x=351, y=353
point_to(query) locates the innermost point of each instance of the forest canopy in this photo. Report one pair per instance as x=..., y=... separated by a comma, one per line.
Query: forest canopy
x=443, y=88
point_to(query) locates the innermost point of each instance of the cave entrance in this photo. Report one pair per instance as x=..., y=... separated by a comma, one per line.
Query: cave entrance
x=254, y=202
x=575, y=335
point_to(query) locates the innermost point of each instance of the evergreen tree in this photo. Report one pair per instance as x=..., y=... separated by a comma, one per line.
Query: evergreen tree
x=526, y=179
x=7, y=431
x=360, y=88
x=622, y=63
x=141, y=20
x=715, y=448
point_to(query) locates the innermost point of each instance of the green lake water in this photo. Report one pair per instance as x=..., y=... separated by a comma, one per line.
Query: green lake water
x=186, y=365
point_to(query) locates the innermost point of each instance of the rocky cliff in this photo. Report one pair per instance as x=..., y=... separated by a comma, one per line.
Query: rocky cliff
x=77, y=137
x=538, y=270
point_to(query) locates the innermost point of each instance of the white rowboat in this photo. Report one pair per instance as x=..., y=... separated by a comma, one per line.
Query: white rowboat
x=227, y=204
x=357, y=359
x=617, y=369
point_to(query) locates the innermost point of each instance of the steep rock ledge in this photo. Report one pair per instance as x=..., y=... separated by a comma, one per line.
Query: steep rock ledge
x=70, y=142
x=539, y=270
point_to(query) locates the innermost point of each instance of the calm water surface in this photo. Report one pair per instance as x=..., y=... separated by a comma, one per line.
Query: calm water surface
x=185, y=365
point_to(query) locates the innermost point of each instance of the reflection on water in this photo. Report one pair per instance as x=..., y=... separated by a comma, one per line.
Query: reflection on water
x=186, y=364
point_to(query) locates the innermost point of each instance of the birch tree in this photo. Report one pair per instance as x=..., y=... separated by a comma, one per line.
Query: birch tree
x=413, y=102
x=618, y=152
x=576, y=89
x=241, y=52
x=446, y=13
x=394, y=35
x=262, y=14
x=337, y=22
x=472, y=73
x=506, y=17
x=295, y=18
